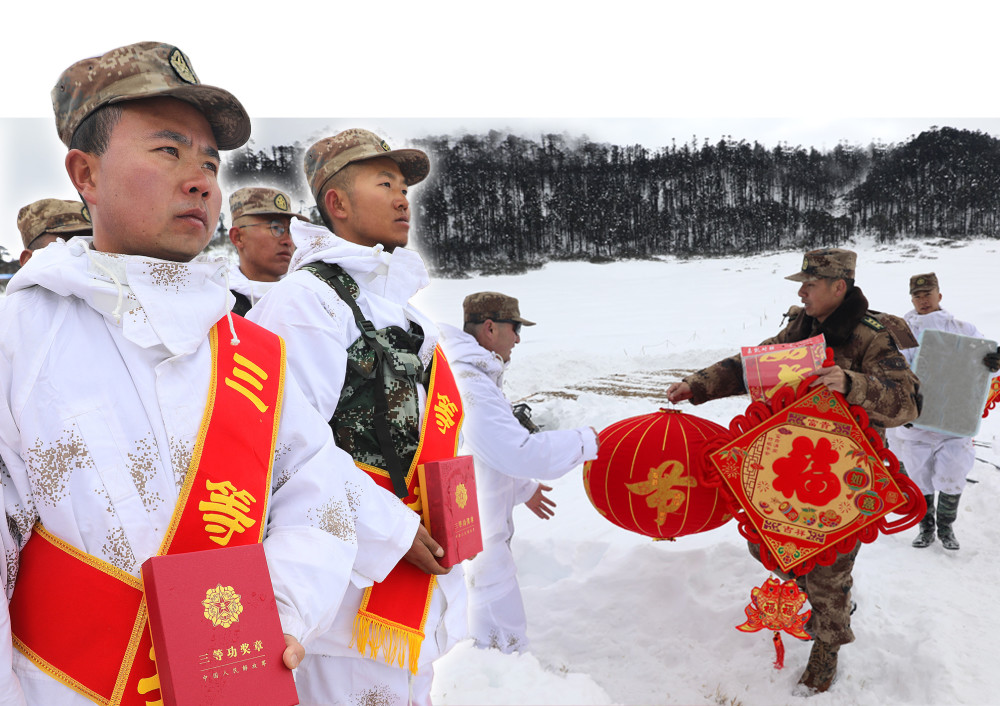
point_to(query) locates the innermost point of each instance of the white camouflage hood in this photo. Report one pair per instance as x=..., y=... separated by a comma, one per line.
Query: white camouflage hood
x=462, y=349
x=154, y=302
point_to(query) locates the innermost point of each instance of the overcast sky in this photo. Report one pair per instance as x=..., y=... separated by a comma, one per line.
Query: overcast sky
x=810, y=74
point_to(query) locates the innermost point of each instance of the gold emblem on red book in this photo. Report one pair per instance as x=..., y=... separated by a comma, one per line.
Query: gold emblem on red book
x=461, y=495
x=222, y=606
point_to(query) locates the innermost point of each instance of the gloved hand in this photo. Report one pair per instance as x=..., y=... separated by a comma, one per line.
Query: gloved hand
x=992, y=361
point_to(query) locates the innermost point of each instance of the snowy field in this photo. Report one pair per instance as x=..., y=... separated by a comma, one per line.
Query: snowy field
x=615, y=618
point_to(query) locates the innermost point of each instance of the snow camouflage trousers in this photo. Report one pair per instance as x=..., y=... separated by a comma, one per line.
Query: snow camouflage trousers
x=828, y=589
x=353, y=423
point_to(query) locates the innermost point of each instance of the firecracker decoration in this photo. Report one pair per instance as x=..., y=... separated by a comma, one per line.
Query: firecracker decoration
x=644, y=477
x=810, y=478
x=775, y=606
x=993, y=397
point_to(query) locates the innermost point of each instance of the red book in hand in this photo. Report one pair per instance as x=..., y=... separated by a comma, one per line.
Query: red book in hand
x=450, y=507
x=216, y=635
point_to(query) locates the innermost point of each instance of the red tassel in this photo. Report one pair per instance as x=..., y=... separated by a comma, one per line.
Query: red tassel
x=779, y=651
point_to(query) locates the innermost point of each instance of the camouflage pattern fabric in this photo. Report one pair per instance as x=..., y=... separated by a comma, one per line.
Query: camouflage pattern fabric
x=331, y=154
x=144, y=70
x=55, y=216
x=923, y=283
x=478, y=307
x=826, y=263
x=829, y=592
x=353, y=423
x=881, y=381
x=261, y=201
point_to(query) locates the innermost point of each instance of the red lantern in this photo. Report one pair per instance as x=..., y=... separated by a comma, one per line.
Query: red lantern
x=646, y=477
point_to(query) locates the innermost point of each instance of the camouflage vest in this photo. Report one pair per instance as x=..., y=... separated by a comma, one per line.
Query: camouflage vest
x=377, y=420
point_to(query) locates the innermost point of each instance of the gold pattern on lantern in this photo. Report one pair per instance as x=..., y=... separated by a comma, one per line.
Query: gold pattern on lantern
x=661, y=489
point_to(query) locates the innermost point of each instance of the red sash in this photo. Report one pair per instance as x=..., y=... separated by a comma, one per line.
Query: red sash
x=82, y=620
x=393, y=613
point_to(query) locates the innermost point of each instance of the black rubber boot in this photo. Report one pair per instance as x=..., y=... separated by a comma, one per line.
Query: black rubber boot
x=926, y=536
x=947, y=512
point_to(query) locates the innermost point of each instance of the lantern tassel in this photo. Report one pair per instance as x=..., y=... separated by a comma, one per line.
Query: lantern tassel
x=779, y=651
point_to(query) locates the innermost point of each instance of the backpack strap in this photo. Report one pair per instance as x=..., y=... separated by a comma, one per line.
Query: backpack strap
x=334, y=276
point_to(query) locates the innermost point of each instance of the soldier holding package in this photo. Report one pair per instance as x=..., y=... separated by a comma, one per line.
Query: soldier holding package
x=48, y=220
x=870, y=372
x=262, y=237
x=937, y=462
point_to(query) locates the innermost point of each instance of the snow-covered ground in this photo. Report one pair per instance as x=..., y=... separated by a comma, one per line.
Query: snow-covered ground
x=617, y=618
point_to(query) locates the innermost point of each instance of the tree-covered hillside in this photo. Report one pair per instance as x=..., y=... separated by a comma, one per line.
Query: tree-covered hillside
x=499, y=202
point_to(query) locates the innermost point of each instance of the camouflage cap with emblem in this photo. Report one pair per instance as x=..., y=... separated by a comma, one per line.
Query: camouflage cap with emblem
x=827, y=263
x=144, y=70
x=494, y=306
x=261, y=201
x=923, y=283
x=331, y=154
x=52, y=217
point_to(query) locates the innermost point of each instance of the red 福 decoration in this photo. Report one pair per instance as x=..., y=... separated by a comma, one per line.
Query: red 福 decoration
x=810, y=477
x=775, y=606
x=646, y=478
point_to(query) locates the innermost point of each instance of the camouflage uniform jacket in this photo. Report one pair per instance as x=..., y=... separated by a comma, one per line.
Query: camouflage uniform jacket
x=865, y=344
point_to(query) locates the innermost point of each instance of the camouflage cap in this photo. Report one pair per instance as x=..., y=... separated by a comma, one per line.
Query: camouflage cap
x=144, y=70
x=261, y=201
x=52, y=216
x=834, y=263
x=923, y=283
x=331, y=154
x=492, y=305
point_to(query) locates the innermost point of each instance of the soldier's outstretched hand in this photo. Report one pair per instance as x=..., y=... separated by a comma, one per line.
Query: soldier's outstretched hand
x=678, y=392
x=540, y=504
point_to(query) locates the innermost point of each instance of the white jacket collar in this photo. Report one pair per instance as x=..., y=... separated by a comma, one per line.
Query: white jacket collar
x=396, y=276
x=460, y=347
x=249, y=288
x=934, y=319
x=154, y=302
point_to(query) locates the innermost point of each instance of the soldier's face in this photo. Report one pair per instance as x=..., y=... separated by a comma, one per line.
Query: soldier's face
x=155, y=190
x=926, y=301
x=377, y=209
x=821, y=297
x=264, y=256
x=506, y=338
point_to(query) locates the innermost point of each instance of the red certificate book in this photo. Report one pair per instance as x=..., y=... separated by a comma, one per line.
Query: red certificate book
x=767, y=368
x=450, y=507
x=216, y=634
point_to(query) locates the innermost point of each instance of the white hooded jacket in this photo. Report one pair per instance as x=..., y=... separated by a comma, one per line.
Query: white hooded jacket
x=508, y=458
x=319, y=328
x=251, y=289
x=105, y=365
